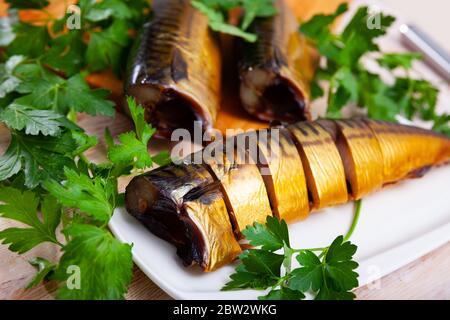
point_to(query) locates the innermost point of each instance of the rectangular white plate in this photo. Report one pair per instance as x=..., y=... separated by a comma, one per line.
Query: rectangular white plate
x=397, y=226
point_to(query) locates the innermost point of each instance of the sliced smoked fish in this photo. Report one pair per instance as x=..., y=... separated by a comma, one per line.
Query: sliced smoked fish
x=243, y=187
x=282, y=170
x=183, y=205
x=360, y=153
x=407, y=150
x=175, y=68
x=323, y=165
x=276, y=70
x=202, y=208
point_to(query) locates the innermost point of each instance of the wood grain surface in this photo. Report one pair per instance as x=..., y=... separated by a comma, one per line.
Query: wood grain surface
x=426, y=278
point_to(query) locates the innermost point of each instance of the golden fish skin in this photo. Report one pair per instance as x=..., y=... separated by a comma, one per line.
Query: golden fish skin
x=323, y=165
x=407, y=150
x=175, y=68
x=285, y=178
x=244, y=190
x=201, y=209
x=275, y=71
x=183, y=205
x=210, y=215
x=360, y=153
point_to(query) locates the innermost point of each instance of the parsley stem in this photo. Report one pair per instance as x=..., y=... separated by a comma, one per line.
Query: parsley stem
x=358, y=205
x=309, y=249
x=355, y=220
x=287, y=258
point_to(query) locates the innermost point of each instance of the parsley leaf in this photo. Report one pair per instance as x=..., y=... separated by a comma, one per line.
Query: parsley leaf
x=91, y=196
x=351, y=83
x=310, y=275
x=66, y=53
x=22, y=45
x=398, y=60
x=34, y=121
x=333, y=275
x=23, y=207
x=78, y=96
x=106, y=9
x=42, y=87
x=105, y=48
x=217, y=13
x=259, y=269
x=328, y=275
x=8, y=81
x=133, y=149
x=104, y=263
x=271, y=236
x=39, y=157
x=46, y=90
x=257, y=9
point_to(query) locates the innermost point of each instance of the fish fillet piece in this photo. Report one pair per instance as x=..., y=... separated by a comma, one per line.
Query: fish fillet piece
x=360, y=153
x=408, y=151
x=283, y=173
x=175, y=68
x=209, y=213
x=183, y=205
x=277, y=69
x=324, y=170
x=244, y=187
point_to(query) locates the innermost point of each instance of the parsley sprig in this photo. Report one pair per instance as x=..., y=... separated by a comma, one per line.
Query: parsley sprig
x=217, y=12
x=47, y=182
x=350, y=82
x=326, y=273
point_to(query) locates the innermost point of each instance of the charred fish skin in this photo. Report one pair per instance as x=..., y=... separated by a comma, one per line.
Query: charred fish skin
x=174, y=69
x=275, y=72
x=198, y=208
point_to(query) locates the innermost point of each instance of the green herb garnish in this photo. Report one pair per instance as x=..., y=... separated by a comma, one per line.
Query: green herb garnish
x=326, y=273
x=46, y=180
x=217, y=13
x=350, y=82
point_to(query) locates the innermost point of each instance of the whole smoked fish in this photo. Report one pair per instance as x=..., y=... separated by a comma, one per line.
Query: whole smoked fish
x=175, y=68
x=277, y=69
x=202, y=208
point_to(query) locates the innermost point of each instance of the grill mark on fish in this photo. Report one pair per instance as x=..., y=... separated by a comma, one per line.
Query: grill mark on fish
x=362, y=135
x=313, y=129
x=303, y=131
x=317, y=142
x=179, y=67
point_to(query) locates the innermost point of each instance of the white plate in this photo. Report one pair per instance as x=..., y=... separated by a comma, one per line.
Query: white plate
x=398, y=225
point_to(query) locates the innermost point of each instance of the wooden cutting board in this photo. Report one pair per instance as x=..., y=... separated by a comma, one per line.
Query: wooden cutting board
x=420, y=279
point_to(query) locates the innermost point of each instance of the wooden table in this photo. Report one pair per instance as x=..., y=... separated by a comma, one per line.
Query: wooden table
x=426, y=278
